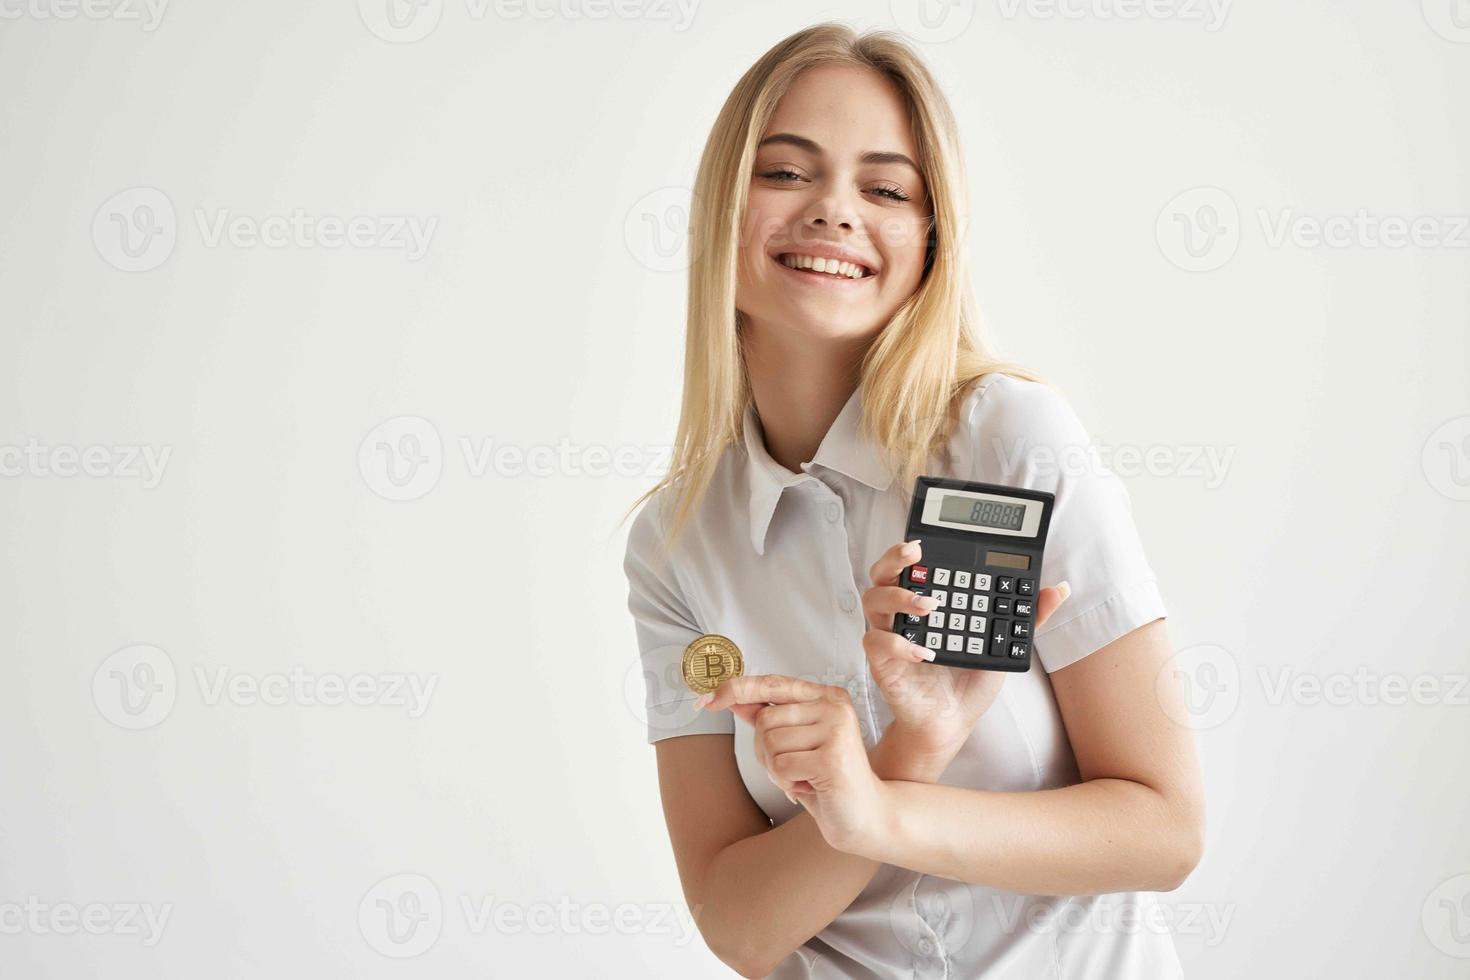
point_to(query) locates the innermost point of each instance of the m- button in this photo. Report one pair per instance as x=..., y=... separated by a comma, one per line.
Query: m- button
x=832, y=512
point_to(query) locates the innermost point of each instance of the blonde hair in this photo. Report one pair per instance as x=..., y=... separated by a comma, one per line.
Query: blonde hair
x=917, y=369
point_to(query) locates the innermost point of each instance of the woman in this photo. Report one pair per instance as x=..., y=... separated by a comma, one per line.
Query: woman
x=845, y=808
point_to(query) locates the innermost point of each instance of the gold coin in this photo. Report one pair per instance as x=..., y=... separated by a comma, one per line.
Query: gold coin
x=709, y=660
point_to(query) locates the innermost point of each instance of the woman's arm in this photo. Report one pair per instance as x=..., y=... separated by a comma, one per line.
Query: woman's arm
x=1136, y=822
x=758, y=892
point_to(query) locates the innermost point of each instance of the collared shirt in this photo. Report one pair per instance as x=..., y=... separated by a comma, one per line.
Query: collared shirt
x=777, y=561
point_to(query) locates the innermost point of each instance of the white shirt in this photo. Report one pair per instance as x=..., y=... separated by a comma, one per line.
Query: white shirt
x=777, y=562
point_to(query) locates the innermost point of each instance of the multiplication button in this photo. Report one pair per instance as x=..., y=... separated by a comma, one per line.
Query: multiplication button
x=1005, y=584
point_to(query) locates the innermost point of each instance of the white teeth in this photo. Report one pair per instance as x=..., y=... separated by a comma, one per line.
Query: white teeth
x=819, y=264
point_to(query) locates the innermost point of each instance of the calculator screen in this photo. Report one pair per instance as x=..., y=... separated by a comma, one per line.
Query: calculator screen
x=982, y=513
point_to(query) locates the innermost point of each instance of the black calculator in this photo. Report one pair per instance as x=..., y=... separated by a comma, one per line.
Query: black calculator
x=982, y=561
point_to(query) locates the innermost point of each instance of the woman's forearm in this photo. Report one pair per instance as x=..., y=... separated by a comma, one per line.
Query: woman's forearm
x=769, y=893
x=1104, y=835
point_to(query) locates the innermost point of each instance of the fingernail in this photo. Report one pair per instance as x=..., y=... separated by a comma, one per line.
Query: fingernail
x=703, y=700
x=1065, y=589
x=924, y=652
x=791, y=798
x=926, y=602
x=912, y=547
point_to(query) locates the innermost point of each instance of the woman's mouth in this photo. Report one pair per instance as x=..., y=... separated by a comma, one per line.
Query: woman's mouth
x=816, y=269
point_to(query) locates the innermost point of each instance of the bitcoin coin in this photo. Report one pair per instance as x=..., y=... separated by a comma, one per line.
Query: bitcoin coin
x=709, y=661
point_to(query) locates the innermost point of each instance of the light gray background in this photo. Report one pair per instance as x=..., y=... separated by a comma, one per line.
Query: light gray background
x=548, y=157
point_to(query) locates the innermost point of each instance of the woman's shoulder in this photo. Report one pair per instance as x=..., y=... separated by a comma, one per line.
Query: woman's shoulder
x=1006, y=422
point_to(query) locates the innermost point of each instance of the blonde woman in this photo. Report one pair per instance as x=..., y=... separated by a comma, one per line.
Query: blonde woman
x=847, y=808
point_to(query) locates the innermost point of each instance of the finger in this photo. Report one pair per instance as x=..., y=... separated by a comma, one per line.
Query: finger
x=883, y=647
x=799, y=738
x=793, y=766
x=785, y=715
x=746, y=712
x=882, y=602
x=1048, y=600
x=885, y=570
x=762, y=689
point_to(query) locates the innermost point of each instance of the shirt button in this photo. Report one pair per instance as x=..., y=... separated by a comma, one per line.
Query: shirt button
x=849, y=602
x=832, y=512
x=926, y=946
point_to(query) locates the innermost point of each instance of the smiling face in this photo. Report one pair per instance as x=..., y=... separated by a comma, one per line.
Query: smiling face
x=834, y=238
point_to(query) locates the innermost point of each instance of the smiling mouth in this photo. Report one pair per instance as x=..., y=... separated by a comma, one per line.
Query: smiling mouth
x=817, y=266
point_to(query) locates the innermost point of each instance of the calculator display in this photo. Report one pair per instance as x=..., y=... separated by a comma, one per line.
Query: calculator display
x=982, y=513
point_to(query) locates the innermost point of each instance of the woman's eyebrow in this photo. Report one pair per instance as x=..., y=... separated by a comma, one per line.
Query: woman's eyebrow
x=872, y=156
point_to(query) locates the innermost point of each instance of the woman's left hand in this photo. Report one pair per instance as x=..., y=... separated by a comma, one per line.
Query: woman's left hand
x=807, y=737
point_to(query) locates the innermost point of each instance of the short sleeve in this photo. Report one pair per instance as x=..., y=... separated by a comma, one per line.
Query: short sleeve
x=664, y=626
x=1035, y=439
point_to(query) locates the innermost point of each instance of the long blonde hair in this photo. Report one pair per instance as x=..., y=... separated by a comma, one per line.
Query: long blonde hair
x=918, y=367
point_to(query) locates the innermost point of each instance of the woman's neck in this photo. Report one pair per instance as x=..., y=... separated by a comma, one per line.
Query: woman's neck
x=799, y=386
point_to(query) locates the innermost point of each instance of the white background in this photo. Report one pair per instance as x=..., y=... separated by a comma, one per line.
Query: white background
x=546, y=312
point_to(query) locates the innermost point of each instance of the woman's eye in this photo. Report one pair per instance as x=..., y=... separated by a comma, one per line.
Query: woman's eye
x=892, y=193
x=775, y=174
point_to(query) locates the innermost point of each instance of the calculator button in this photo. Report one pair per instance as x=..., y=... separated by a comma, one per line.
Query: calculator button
x=998, y=633
x=1002, y=606
x=1005, y=584
x=982, y=583
x=912, y=618
x=980, y=603
x=912, y=635
x=1023, y=607
x=1020, y=628
x=918, y=573
x=959, y=600
x=1018, y=650
x=956, y=621
x=941, y=576
x=940, y=598
x=954, y=643
x=936, y=620
x=977, y=624
x=933, y=640
x=962, y=580
x=1025, y=586
x=975, y=645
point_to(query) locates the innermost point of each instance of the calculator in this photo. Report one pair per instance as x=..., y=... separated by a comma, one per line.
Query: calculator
x=981, y=561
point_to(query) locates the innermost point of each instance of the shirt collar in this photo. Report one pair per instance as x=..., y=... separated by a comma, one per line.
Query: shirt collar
x=845, y=449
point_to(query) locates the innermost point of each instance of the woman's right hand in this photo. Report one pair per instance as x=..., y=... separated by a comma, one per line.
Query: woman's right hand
x=934, y=707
